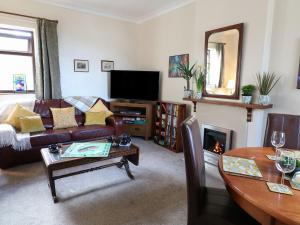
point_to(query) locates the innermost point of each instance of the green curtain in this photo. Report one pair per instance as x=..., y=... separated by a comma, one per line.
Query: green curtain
x=48, y=78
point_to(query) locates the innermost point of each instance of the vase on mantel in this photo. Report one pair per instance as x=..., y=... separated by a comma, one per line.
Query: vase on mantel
x=246, y=99
x=264, y=99
x=198, y=95
x=188, y=93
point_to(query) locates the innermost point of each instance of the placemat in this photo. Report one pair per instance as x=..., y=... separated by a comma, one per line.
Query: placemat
x=240, y=166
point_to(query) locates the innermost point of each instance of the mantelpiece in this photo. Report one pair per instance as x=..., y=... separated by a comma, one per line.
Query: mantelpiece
x=248, y=107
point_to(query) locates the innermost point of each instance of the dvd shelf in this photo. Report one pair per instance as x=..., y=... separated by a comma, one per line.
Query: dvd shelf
x=167, y=129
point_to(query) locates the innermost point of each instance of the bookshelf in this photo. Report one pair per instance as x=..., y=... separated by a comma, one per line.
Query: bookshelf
x=167, y=126
x=137, y=117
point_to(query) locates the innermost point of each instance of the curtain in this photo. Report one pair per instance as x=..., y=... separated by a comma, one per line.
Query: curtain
x=48, y=78
x=220, y=53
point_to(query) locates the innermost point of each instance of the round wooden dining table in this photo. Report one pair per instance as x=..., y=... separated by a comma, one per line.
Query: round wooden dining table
x=253, y=194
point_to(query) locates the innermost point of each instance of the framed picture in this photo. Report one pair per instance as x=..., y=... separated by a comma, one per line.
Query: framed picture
x=298, y=81
x=107, y=65
x=174, y=61
x=81, y=65
x=19, y=82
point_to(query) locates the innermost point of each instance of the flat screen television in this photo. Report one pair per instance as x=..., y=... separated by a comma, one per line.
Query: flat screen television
x=134, y=85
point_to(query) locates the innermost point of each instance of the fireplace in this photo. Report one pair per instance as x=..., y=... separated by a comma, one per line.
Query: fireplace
x=215, y=141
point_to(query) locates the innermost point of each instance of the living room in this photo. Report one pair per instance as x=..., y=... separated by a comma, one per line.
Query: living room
x=142, y=36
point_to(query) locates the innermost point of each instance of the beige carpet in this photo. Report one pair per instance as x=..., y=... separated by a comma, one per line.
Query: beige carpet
x=108, y=196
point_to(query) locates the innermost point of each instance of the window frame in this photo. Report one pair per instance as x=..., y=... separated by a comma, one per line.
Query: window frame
x=30, y=52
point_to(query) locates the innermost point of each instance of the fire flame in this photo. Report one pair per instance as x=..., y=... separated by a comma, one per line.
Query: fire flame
x=218, y=149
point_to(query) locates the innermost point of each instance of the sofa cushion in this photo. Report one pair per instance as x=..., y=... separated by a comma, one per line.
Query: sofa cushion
x=17, y=112
x=50, y=137
x=79, y=116
x=42, y=107
x=91, y=132
x=31, y=124
x=63, y=117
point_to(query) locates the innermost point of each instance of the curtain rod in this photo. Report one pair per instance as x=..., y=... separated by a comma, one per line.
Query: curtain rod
x=31, y=17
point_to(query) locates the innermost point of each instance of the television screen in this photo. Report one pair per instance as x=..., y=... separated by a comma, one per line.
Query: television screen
x=139, y=85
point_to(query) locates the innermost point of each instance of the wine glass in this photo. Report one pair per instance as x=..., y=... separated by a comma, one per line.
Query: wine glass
x=278, y=139
x=285, y=162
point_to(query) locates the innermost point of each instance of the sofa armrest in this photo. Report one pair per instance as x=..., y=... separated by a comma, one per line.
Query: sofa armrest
x=115, y=122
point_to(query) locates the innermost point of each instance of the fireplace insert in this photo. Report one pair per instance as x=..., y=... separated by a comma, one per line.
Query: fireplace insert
x=216, y=141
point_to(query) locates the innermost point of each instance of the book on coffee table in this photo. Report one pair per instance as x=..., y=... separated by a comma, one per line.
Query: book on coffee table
x=87, y=149
x=240, y=166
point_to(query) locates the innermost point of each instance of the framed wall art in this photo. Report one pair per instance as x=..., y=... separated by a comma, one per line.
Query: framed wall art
x=107, y=66
x=81, y=65
x=174, y=61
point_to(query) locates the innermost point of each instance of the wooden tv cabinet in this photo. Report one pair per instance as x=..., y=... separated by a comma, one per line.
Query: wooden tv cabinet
x=137, y=117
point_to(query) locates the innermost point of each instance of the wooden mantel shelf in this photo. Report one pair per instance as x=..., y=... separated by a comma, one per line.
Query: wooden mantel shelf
x=248, y=107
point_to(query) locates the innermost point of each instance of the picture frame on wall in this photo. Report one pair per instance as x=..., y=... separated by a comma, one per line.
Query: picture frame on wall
x=81, y=65
x=174, y=62
x=107, y=65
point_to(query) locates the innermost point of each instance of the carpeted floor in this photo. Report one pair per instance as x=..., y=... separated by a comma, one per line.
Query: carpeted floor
x=108, y=196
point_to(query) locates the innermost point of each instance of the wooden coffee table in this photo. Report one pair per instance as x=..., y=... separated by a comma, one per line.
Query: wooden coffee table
x=54, y=162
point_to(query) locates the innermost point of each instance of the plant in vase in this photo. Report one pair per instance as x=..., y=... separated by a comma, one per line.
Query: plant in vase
x=265, y=84
x=199, y=77
x=247, y=92
x=187, y=72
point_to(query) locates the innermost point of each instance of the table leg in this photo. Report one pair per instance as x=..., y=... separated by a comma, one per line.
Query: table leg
x=124, y=162
x=52, y=186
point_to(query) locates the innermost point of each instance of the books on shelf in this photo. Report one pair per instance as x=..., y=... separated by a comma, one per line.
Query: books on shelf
x=168, y=117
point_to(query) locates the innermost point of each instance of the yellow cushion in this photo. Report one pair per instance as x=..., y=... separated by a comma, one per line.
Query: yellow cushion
x=95, y=118
x=63, y=117
x=31, y=124
x=17, y=112
x=99, y=107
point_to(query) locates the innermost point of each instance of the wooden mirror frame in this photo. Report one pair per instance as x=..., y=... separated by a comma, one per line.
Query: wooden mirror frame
x=240, y=28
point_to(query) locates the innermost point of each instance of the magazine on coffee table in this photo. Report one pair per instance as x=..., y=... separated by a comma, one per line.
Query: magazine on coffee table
x=87, y=149
x=240, y=166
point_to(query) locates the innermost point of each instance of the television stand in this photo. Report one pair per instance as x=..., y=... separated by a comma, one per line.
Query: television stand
x=137, y=117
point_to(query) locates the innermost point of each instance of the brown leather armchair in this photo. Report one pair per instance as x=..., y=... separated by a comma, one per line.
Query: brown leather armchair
x=206, y=206
x=290, y=124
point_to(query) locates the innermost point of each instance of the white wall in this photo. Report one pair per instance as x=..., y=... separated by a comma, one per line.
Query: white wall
x=183, y=31
x=285, y=55
x=84, y=36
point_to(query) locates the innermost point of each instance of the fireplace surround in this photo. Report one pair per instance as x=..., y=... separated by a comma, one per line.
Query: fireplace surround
x=216, y=141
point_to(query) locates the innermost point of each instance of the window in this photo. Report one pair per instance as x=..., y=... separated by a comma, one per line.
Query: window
x=16, y=61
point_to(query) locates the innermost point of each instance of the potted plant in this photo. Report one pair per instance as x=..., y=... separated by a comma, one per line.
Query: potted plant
x=265, y=84
x=199, y=77
x=247, y=92
x=187, y=72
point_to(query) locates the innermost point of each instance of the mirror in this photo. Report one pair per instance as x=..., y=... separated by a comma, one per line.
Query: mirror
x=223, y=52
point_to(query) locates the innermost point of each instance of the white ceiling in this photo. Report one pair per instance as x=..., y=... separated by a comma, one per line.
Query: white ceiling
x=136, y=11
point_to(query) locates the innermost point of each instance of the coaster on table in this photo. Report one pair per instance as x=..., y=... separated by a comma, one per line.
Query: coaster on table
x=295, y=185
x=271, y=157
x=279, y=188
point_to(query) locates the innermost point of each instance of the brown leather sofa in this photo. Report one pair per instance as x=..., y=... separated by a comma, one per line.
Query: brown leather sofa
x=290, y=124
x=10, y=157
